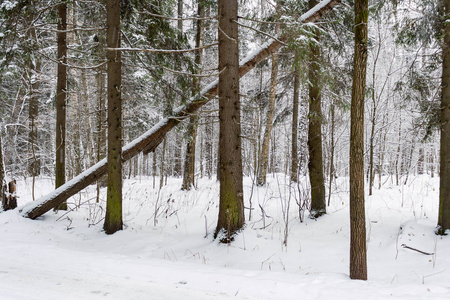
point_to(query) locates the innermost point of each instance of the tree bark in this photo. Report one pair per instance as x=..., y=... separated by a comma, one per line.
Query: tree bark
x=332, y=146
x=264, y=156
x=231, y=208
x=61, y=86
x=2, y=174
x=189, y=161
x=315, y=165
x=444, y=186
x=358, y=259
x=113, y=217
x=33, y=113
x=148, y=141
x=294, y=159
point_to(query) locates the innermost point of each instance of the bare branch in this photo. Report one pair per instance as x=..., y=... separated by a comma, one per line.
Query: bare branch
x=161, y=50
x=177, y=19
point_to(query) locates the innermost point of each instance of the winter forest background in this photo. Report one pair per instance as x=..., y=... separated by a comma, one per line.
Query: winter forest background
x=293, y=193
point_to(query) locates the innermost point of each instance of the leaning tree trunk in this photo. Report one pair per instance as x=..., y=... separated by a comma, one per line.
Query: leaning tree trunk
x=61, y=87
x=231, y=208
x=358, y=259
x=113, y=216
x=148, y=141
x=315, y=164
x=444, y=186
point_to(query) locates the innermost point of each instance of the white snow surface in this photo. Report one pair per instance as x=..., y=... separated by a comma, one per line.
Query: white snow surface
x=66, y=255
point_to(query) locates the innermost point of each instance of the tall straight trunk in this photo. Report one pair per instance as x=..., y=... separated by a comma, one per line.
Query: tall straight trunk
x=372, y=144
x=34, y=163
x=315, y=165
x=444, y=186
x=397, y=156
x=209, y=156
x=100, y=111
x=231, y=207
x=189, y=161
x=154, y=168
x=2, y=173
x=264, y=156
x=33, y=113
x=421, y=161
x=113, y=216
x=294, y=159
x=162, y=167
x=358, y=258
x=432, y=153
x=332, y=146
x=61, y=86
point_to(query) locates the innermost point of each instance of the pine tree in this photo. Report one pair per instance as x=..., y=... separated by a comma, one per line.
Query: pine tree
x=113, y=217
x=444, y=186
x=315, y=164
x=61, y=89
x=231, y=209
x=358, y=259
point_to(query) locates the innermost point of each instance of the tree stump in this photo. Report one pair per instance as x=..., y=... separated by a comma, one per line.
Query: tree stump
x=9, y=199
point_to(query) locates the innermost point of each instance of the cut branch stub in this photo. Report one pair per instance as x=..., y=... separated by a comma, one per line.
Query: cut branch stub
x=152, y=138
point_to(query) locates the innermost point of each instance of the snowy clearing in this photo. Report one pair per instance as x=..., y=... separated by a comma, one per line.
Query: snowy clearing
x=67, y=256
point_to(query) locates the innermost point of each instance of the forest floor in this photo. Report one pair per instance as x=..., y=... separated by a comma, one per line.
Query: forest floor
x=66, y=255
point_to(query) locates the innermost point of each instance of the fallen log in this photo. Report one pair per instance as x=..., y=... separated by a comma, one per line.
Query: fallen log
x=152, y=138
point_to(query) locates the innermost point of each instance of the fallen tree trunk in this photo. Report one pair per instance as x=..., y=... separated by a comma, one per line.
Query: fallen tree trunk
x=152, y=138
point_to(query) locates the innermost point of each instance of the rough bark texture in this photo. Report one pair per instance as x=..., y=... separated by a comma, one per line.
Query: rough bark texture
x=113, y=217
x=2, y=174
x=61, y=86
x=294, y=160
x=358, y=259
x=444, y=188
x=100, y=131
x=34, y=165
x=315, y=164
x=152, y=138
x=231, y=208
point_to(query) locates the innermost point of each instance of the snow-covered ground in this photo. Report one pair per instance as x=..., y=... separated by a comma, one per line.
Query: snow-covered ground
x=173, y=256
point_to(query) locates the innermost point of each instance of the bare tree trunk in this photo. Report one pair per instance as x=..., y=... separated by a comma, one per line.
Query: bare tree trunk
x=154, y=169
x=358, y=257
x=420, y=163
x=100, y=114
x=294, y=160
x=331, y=169
x=444, y=186
x=33, y=113
x=113, y=216
x=162, y=167
x=371, y=144
x=231, y=208
x=34, y=164
x=315, y=165
x=264, y=157
x=209, y=157
x=189, y=167
x=432, y=154
x=2, y=174
x=397, y=157
x=61, y=92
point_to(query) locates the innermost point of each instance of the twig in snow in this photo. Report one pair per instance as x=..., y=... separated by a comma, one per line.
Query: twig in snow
x=417, y=250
